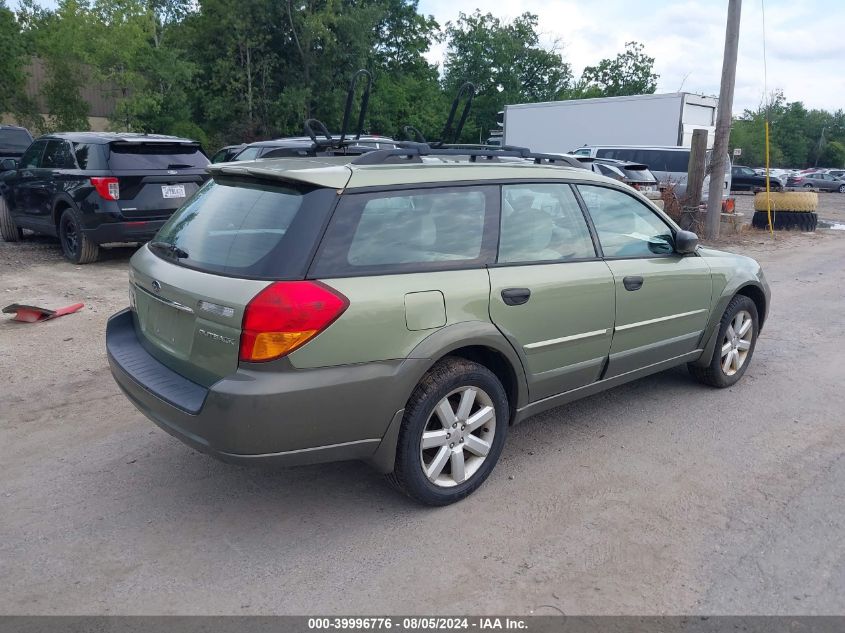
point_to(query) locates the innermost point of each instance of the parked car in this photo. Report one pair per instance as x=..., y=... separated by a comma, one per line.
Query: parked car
x=823, y=182
x=636, y=175
x=746, y=179
x=668, y=164
x=837, y=173
x=303, y=146
x=91, y=188
x=13, y=141
x=774, y=174
x=406, y=308
x=225, y=154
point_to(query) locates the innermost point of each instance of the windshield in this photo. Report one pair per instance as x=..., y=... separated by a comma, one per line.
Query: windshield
x=246, y=228
x=145, y=156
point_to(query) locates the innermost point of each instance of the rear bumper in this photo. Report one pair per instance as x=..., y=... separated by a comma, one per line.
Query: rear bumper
x=285, y=418
x=131, y=231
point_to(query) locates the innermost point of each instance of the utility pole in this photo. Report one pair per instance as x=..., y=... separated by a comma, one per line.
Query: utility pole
x=690, y=213
x=723, y=120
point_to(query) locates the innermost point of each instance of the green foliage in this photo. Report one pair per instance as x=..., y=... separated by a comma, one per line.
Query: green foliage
x=797, y=137
x=630, y=73
x=12, y=79
x=505, y=62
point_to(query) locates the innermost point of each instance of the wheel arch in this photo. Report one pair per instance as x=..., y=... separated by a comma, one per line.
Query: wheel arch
x=756, y=294
x=59, y=205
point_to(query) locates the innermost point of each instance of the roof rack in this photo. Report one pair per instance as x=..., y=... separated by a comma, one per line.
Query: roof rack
x=410, y=152
x=450, y=134
x=314, y=128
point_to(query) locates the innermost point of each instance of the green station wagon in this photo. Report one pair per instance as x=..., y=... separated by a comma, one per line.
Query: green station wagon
x=407, y=306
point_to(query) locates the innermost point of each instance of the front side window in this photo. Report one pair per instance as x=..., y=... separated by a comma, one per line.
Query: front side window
x=409, y=231
x=542, y=222
x=32, y=156
x=250, y=153
x=625, y=226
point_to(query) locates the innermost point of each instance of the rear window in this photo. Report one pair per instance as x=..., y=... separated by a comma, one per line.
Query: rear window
x=247, y=228
x=155, y=156
x=639, y=175
x=15, y=141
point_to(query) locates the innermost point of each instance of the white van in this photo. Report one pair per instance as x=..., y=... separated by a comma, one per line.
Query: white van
x=668, y=164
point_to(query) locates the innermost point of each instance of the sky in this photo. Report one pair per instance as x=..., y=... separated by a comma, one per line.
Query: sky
x=805, y=41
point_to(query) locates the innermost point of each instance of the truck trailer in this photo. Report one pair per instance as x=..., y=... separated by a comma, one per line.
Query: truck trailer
x=655, y=120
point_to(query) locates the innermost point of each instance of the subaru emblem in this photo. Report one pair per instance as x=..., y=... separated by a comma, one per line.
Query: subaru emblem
x=156, y=286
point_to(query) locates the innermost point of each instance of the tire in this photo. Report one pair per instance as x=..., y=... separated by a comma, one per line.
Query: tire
x=76, y=246
x=722, y=372
x=786, y=220
x=9, y=230
x=450, y=383
x=808, y=186
x=841, y=188
x=787, y=201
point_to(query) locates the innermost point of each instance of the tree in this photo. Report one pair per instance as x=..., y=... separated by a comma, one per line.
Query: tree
x=13, y=97
x=630, y=73
x=505, y=62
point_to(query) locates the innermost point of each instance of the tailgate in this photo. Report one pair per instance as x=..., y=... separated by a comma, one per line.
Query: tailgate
x=156, y=194
x=189, y=320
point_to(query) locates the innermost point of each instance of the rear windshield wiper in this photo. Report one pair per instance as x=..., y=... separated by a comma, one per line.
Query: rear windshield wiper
x=170, y=248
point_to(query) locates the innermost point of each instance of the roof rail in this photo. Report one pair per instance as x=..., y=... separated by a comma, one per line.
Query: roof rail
x=413, y=152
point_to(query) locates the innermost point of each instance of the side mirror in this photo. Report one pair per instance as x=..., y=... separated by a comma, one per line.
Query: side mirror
x=8, y=164
x=685, y=242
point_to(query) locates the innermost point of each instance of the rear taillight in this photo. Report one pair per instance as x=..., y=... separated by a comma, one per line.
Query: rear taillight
x=285, y=316
x=108, y=188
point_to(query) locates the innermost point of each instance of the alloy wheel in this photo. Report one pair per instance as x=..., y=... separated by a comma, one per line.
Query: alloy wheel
x=458, y=436
x=70, y=236
x=737, y=342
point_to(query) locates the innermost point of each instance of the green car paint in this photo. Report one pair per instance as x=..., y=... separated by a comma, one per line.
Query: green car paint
x=342, y=394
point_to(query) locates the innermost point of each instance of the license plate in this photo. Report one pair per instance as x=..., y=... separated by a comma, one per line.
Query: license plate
x=173, y=191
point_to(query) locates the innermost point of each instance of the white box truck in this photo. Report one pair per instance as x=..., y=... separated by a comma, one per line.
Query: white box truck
x=654, y=120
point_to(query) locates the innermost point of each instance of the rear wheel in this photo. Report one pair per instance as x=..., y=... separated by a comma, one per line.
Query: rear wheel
x=9, y=230
x=841, y=188
x=77, y=246
x=452, y=434
x=734, y=346
x=808, y=186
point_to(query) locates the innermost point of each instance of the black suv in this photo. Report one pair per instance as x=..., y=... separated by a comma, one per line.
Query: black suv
x=13, y=141
x=91, y=188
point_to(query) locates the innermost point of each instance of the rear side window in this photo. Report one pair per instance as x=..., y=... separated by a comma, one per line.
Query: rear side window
x=247, y=228
x=58, y=156
x=410, y=231
x=89, y=156
x=542, y=223
x=149, y=156
x=14, y=141
x=250, y=153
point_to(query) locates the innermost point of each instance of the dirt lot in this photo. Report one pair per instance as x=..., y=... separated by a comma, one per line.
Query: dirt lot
x=658, y=497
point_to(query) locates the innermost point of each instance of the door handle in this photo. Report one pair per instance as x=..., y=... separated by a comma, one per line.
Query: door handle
x=634, y=282
x=516, y=296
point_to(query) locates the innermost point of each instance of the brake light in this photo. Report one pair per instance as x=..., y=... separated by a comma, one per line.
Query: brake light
x=108, y=188
x=285, y=316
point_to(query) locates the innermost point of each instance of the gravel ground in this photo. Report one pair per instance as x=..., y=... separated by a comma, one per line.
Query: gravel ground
x=661, y=496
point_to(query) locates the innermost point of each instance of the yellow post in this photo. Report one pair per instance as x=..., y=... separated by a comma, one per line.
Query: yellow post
x=768, y=189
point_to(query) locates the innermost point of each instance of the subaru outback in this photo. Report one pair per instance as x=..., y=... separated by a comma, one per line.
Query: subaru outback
x=407, y=306
x=91, y=188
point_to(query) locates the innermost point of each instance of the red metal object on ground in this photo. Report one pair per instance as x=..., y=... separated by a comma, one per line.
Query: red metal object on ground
x=32, y=314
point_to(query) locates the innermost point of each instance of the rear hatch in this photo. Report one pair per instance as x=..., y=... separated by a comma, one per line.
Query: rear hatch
x=156, y=177
x=191, y=284
x=13, y=142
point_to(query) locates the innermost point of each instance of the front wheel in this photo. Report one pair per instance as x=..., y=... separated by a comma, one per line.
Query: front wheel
x=734, y=346
x=76, y=246
x=452, y=434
